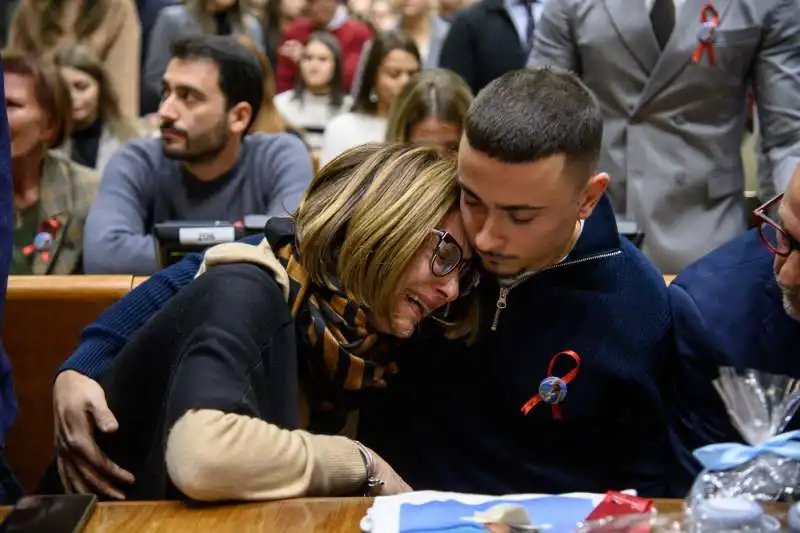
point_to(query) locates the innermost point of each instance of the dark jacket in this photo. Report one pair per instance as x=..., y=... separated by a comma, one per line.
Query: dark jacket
x=482, y=44
x=103, y=339
x=458, y=407
x=8, y=403
x=226, y=342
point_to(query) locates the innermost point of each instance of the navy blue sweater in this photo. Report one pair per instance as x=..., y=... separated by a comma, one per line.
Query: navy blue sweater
x=451, y=418
x=727, y=311
x=104, y=338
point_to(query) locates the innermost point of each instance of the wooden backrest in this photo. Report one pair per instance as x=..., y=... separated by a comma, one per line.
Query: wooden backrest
x=44, y=316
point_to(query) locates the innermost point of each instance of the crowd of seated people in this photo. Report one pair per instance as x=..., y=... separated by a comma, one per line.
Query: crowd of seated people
x=207, y=161
x=441, y=240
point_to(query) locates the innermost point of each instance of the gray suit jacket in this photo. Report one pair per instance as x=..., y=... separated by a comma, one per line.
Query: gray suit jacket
x=673, y=128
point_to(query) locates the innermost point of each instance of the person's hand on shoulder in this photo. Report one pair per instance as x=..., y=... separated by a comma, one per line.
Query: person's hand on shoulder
x=79, y=403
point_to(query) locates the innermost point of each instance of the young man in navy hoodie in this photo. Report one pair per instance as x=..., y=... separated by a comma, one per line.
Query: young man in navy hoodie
x=560, y=390
x=571, y=313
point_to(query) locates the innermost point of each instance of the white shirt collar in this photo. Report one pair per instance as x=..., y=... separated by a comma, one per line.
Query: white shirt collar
x=508, y=281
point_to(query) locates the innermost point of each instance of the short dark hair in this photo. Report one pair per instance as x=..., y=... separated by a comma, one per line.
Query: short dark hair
x=530, y=114
x=381, y=45
x=240, y=76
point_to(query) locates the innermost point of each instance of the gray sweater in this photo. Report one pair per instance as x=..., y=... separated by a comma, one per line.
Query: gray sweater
x=140, y=187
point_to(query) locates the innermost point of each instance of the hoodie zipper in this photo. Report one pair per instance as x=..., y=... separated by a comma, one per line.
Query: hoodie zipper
x=502, y=302
x=502, y=299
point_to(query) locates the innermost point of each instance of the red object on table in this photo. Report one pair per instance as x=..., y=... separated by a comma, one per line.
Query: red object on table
x=618, y=504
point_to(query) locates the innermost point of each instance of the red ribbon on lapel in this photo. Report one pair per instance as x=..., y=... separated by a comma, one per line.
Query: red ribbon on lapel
x=553, y=389
x=44, y=239
x=709, y=20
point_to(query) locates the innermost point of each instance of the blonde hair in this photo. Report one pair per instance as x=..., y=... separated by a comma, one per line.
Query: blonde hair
x=365, y=216
x=82, y=58
x=436, y=93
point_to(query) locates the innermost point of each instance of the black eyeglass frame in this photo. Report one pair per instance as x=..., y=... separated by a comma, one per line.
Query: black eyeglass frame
x=464, y=274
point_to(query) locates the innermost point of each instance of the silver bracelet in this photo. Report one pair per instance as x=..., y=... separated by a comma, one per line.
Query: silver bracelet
x=374, y=484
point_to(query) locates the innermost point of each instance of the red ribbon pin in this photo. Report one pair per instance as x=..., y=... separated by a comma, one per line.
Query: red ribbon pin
x=709, y=21
x=553, y=389
x=44, y=239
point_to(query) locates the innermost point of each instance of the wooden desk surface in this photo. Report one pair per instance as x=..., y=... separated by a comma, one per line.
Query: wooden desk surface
x=68, y=287
x=305, y=515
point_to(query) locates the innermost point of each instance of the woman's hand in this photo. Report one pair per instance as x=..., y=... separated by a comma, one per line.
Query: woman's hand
x=79, y=403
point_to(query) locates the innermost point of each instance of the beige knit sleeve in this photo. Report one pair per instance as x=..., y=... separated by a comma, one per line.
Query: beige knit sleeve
x=215, y=456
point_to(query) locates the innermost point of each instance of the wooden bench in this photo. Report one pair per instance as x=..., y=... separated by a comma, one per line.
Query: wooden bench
x=44, y=316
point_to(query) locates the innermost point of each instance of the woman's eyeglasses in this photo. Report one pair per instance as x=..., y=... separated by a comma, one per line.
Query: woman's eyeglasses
x=449, y=256
x=772, y=234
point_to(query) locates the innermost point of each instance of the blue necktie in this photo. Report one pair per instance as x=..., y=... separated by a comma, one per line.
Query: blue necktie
x=530, y=25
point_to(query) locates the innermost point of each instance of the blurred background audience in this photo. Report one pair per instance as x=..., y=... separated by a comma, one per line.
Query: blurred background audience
x=98, y=126
x=392, y=59
x=110, y=28
x=52, y=194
